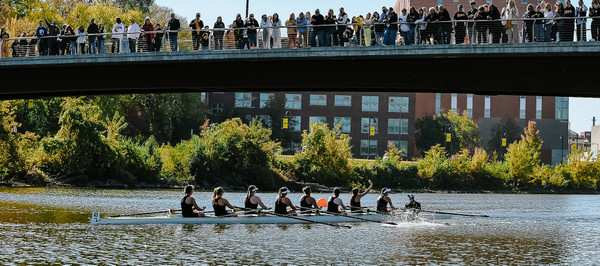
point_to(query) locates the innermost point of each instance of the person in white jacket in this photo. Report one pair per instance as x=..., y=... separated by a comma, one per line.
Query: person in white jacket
x=133, y=35
x=276, y=32
x=81, y=34
x=511, y=12
x=266, y=31
x=117, y=29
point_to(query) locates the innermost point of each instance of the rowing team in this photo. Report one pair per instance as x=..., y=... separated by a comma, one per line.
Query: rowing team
x=283, y=205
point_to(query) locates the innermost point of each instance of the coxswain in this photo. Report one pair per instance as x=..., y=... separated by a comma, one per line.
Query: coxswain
x=356, y=196
x=334, y=203
x=283, y=202
x=189, y=208
x=412, y=204
x=383, y=200
x=307, y=203
x=219, y=203
x=251, y=201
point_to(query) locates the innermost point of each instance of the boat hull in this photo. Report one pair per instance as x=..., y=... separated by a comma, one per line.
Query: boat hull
x=252, y=219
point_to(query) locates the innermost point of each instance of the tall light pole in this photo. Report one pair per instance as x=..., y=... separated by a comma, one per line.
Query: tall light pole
x=562, y=148
x=369, y=139
x=247, y=7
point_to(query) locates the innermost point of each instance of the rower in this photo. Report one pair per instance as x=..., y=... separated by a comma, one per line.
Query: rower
x=189, y=208
x=219, y=203
x=412, y=204
x=356, y=196
x=308, y=203
x=334, y=202
x=383, y=200
x=251, y=201
x=282, y=202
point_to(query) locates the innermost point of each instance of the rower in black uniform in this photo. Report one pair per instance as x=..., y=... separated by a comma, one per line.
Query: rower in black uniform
x=334, y=202
x=251, y=201
x=356, y=196
x=219, y=203
x=189, y=208
x=283, y=202
x=412, y=204
x=308, y=204
x=383, y=200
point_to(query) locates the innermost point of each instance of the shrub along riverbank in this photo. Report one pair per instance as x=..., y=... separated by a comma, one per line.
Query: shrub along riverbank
x=87, y=142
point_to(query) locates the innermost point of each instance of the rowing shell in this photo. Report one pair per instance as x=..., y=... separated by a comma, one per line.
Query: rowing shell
x=250, y=219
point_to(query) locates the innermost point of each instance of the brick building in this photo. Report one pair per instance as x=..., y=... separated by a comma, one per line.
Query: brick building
x=393, y=115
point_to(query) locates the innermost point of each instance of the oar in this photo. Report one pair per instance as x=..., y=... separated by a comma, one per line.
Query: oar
x=144, y=213
x=296, y=218
x=350, y=216
x=459, y=214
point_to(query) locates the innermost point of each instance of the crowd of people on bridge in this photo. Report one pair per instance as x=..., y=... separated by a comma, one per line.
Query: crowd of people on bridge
x=476, y=24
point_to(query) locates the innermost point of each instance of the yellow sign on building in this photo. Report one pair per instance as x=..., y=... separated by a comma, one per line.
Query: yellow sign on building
x=285, y=123
x=503, y=142
x=448, y=137
x=372, y=131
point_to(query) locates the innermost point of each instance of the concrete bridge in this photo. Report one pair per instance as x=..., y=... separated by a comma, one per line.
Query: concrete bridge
x=558, y=69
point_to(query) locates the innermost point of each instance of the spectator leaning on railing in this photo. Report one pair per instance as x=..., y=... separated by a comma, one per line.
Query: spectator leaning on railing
x=42, y=43
x=595, y=15
x=117, y=31
x=302, y=31
x=133, y=35
x=252, y=26
x=101, y=38
x=148, y=37
x=292, y=31
x=197, y=25
x=81, y=39
x=581, y=12
x=219, y=32
x=92, y=29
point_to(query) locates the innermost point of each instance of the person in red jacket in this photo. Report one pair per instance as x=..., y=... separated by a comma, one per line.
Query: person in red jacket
x=148, y=37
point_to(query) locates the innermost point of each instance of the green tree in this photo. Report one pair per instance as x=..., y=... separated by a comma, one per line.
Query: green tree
x=524, y=155
x=431, y=131
x=506, y=128
x=325, y=156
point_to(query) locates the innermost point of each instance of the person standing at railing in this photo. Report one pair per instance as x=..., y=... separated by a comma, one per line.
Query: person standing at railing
x=392, y=28
x=444, y=26
x=292, y=31
x=252, y=26
x=148, y=37
x=511, y=12
x=92, y=30
x=205, y=40
x=53, y=31
x=538, y=25
x=378, y=28
x=471, y=17
x=4, y=36
x=62, y=43
x=330, y=29
x=117, y=31
x=529, y=30
x=569, y=24
x=342, y=20
x=238, y=33
x=404, y=26
x=197, y=25
x=81, y=34
x=421, y=26
x=266, y=31
x=581, y=12
x=548, y=23
x=21, y=46
x=301, y=22
x=101, y=38
x=460, y=29
x=318, y=31
x=481, y=26
x=174, y=25
x=412, y=18
x=42, y=43
x=125, y=40
x=495, y=26
x=133, y=33
x=158, y=37
x=367, y=29
x=595, y=14
x=276, y=33
x=557, y=27
x=69, y=36
x=218, y=33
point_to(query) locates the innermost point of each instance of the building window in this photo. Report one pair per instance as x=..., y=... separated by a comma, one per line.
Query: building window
x=265, y=98
x=538, y=107
x=438, y=103
x=203, y=97
x=370, y=103
x=402, y=145
x=524, y=2
x=295, y=123
x=243, y=100
x=217, y=108
x=397, y=126
x=293, y=101
x=522, y=107
x=487, y=105
x=318, y=99
x=366, y=123
x=470, y=105
x=266, y=120
x=345, y=123
x=366, y=149
x=454, y=103
x=562, y=108
x=398, y=104
x=317, y=120
x=440, y=2
x=343, y=100
x=489, y=1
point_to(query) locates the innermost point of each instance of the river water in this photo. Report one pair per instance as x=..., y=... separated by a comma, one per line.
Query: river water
x=51, y=226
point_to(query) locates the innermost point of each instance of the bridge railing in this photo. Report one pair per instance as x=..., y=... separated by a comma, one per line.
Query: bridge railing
x=526, y=30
